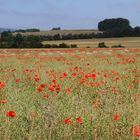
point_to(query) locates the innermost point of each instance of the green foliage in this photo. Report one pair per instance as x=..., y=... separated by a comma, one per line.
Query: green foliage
x=69, y=36
x=113, y=23
x=27, y=30
x=56, y=28
x=63, y=45
x=118, y=46
x=19, y=41
x=116, y=27
x=102, y=45
x=6, y=36
x=136, y=31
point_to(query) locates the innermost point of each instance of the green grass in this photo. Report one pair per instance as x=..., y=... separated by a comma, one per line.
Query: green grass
x=95, y=101
x=129, y=42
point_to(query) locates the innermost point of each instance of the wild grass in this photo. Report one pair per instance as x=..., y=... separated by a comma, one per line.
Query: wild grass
x=95, y=94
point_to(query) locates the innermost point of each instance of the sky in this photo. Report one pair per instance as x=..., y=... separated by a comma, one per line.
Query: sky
x=68, y=14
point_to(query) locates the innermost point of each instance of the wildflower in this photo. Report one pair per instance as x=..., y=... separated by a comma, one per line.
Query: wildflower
x=106, y=75
x=36, y=75
x=39, y=89
x=65, y=74
x=54, y=80
x=58, y=89
x=76, y=68
x=11, y=114
x=3, y=101
x=46, y=96
x=79, y=120
x=135, y=131
x=36, y=79
x=68, y=90
x=2, y=85
x=17, y=81
x=51, y=88
x=93, y=76
x=116, y=117
x=67, y=121
x=73, y=74
x=42, y=85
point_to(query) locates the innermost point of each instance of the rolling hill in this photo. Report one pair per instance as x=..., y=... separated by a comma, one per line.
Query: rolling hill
x=62, y=32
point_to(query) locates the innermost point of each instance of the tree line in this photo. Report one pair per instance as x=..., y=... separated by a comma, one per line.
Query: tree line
x=27, y=30
x=117, y=27
x=114, y=27
x=69, y=36
x=8, y=40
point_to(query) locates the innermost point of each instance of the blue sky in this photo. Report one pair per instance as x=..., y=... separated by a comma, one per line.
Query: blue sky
x=68, y=14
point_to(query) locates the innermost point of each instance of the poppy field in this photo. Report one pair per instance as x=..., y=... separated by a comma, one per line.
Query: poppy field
x=70, y=94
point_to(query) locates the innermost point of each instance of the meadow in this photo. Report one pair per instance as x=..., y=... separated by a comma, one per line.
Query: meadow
x=128, y=42
x=70, y=94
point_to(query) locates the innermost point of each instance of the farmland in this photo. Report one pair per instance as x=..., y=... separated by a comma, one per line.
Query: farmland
x=61, y=32
x=70, y=94
x=129, y=42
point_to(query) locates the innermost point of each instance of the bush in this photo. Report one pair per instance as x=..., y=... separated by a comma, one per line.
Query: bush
x=102, y=45
x=73, y=46
x=56, y=28
x=118, y=46
x=27, y=30
x=63, y=45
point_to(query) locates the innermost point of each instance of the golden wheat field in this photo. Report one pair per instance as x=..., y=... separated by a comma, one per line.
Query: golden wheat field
x=62, y=32
x=128, y=42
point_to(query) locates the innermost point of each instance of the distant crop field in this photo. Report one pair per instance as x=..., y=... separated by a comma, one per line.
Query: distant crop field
x=129, y=42
x=61, y=32
x=70, y=94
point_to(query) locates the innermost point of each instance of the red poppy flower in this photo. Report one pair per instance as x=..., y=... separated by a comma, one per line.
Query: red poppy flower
x=68, y=90
x=135, y=131
x=43, y=85
x=3, y=101
x=11, y=114
x=2, y=85
x=93, y=76
x=67, y=121
x=17, y=81
x=51, y=88
x=106, y=75
x=79, y=120
x=116, y=117
x=36, y=79
x=39, y=89
x=54, y=80
x=65, y=74
x=58, y=89
x=46, y=96
x=76, y=68
x=73, y=74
